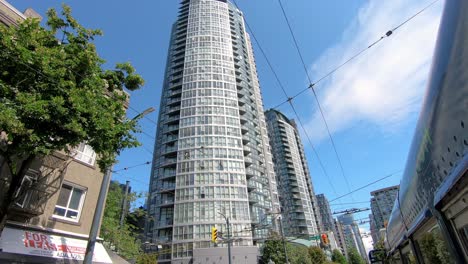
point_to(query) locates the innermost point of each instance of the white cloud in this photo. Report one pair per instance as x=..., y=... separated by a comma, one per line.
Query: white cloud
x=385, y=85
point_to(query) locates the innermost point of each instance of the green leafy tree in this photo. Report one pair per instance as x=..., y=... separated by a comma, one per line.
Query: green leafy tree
x=55, y=94
x=317, y=255
x=338, y=257
x=298, y=254
x=147, y=258
x=381, y=253
x=354, y=257
x=273, y=250
x=122, y=238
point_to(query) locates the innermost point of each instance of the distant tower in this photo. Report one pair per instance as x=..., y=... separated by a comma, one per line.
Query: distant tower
x=325, y=213
x=300, y=212
x=352, y=234
x=340, y=237
x=381, y=205
x=212, y=153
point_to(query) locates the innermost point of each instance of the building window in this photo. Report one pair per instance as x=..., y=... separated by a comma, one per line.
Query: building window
x=69, y=202
x=85, y=154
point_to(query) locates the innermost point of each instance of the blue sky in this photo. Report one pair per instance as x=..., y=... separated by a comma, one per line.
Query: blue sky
x=371, y=104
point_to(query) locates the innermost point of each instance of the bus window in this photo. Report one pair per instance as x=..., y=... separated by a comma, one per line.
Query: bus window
x=463, y=234
x=433, y=247
x=460, y=224
x=396, y=258
x=408, y=255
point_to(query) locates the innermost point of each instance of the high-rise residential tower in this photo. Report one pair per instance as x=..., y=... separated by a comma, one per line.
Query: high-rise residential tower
x=299, y=205
x=381, y=205
x=212, y=155
x=325, y=212
x=340, y=237
x=352, y=234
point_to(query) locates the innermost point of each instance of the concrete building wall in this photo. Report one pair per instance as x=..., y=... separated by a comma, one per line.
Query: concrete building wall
x=10, y=16
x=239, y=255
x=40, y=200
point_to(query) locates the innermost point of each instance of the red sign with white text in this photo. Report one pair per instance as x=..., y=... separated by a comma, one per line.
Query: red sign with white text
x=40, y=244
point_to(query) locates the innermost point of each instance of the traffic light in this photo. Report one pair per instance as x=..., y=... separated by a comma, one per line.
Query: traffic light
x=325, y=240
x=214, y=234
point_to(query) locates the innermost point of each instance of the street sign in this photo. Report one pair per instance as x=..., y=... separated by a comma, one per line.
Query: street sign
x=317, y=237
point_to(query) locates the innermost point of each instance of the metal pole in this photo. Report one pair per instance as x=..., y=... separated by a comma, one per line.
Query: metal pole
x=284, y=243
x=124, y=206
x=88, y=259
x=229, y=240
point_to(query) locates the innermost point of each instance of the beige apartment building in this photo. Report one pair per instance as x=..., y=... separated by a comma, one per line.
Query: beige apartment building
x=53, y=209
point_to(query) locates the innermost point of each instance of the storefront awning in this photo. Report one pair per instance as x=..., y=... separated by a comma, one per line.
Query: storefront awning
x=34, y=243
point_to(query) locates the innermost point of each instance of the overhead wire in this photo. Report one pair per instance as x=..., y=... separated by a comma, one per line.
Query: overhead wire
x=312, y=84
x=359, y=53
x=350, y=203
x=131, y=178
x=315, y=96
x=133, y=166
x=145, y=117
x=285, y=93
x=367, y=185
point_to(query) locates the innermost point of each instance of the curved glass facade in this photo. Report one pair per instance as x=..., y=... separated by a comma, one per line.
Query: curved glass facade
x=212, y=156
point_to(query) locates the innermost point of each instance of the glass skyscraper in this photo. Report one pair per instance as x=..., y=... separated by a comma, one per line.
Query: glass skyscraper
x=212, y=155
x=301, y=215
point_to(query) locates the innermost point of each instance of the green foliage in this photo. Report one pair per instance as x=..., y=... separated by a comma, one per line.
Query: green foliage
x=147, y=258
x=338, y=257
x=55, y=94
x=298, y=255
x=122, y=238
x=273, y=250
x=434, y=249
x=317, y=255
x=380, y=246
x=354, y=257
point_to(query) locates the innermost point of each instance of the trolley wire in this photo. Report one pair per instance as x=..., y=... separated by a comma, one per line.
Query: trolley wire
x=288, y=100
x=359, y=53
x=131, y=178
x=367, y=185
x=133, y=166
x=315, y=96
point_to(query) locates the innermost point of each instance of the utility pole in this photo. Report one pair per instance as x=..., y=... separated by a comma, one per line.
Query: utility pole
x=88, y=258
x=228, y=237
x=229, y=240
x=124, y=205
x=284, y=243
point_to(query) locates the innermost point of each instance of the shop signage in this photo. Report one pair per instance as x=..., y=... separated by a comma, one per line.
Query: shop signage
x=29, y=242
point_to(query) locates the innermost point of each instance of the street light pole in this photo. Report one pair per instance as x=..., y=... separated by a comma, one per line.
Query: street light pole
x=284, y=243
x=124, y=205
x=228, y=237
x=88, y=258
